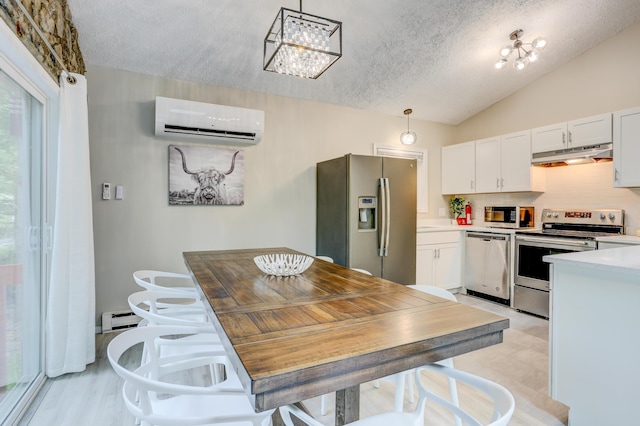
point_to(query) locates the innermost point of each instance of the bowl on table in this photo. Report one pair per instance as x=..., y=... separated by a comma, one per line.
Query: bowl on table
x=283, y=265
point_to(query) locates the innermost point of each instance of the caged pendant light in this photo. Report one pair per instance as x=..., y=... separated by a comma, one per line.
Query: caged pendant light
x=408, y=137
x=301, y=44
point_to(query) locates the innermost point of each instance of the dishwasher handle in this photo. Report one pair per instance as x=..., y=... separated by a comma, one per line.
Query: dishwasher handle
x=487, y=237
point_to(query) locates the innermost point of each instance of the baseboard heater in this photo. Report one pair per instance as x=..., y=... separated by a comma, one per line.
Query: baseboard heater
x=119, y=320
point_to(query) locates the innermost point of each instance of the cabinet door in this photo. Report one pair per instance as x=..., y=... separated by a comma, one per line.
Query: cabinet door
x=549, y=138
x=516, y=162
x=626, y=148
x=458, y=171
x=590, y=131
x=488, y=172
x=425, y=257
x=447, y=266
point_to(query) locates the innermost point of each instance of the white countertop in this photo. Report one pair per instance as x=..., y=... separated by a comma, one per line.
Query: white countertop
x=446, y=225
x=624, y=259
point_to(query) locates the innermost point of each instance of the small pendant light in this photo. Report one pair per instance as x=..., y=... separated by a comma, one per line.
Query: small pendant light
x=408, y=137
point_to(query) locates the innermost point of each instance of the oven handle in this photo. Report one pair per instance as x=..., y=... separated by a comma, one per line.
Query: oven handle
x=554, y=241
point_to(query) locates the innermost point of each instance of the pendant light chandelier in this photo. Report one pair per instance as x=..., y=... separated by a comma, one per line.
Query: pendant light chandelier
x=408, y=137
x=301, y=44
x=526, y=55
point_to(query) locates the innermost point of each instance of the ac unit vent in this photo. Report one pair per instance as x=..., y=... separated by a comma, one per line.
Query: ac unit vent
x=184, y=119
x=119, y=320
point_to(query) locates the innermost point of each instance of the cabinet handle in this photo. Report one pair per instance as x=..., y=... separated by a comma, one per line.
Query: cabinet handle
x=497, y=182
x=471, y=183
x=502, y=183
x=435, y=253
x=438, y=253
x=570, y=136
x=615, y=175
x=564, y=138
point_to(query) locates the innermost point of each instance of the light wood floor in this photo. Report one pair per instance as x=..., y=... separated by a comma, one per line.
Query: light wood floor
x=519, y=363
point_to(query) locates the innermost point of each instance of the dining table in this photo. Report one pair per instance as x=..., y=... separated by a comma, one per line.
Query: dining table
x=327, y=329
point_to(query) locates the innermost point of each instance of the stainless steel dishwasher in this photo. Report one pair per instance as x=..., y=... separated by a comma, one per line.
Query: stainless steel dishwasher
x=487, y=265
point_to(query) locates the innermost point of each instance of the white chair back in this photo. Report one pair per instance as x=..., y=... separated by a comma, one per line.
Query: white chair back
x=182, y=401
x=150, y=280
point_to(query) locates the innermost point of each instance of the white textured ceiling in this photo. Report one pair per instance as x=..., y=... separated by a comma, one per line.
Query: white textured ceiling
x=435, y=56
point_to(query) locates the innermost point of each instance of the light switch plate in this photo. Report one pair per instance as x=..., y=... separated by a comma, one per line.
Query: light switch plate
x=119, y=192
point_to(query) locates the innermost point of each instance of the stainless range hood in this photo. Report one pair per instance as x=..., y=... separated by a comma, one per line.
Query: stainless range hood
x=581, y=155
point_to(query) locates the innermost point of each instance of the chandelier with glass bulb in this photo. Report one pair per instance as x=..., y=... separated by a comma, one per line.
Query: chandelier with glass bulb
x=301, y=44
x=527, y=52
x=408, y=137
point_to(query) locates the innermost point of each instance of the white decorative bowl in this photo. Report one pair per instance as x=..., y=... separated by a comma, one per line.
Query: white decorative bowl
x=283, y=265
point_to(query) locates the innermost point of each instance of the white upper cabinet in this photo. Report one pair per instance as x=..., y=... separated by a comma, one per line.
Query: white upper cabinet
x=549, y=138
x=626, y=148
x=503, y=164
x=458, y=171
x=488, y=165
x=573, y=134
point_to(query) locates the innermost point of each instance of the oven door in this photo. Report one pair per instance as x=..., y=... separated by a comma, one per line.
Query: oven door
x=530, y=270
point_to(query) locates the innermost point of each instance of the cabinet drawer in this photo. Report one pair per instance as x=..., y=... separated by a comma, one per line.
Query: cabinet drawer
x=438, y=237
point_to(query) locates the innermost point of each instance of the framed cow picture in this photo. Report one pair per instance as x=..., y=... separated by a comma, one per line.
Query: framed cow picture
x=203, y=175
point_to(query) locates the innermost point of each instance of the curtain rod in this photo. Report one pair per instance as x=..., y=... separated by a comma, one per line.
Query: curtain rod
x=71, y=79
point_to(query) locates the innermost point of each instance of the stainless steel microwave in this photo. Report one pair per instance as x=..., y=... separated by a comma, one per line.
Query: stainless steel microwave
x=509, y=216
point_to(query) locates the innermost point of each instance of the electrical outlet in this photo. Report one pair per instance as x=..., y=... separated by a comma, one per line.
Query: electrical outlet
x=106, y=191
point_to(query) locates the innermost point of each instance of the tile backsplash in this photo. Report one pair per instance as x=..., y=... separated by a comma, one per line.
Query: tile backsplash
x=588, y=186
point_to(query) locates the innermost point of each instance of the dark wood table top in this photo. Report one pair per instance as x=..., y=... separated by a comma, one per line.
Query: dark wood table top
x=330, y=328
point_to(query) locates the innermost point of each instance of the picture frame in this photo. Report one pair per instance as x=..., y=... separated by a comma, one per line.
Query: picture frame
x=205, y=175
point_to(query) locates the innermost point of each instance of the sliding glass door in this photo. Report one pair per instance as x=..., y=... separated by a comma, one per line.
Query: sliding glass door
x=21, y=247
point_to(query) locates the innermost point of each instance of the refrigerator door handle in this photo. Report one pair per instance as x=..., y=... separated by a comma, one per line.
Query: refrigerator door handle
x=388, y=207
x=383, y=217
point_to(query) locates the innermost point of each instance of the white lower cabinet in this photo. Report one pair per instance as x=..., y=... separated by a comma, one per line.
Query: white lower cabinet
x=438, y=259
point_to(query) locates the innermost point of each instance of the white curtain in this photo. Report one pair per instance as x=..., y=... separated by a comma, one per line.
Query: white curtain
x=70, y=322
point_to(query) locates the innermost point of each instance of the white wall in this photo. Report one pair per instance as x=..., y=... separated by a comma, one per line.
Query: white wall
x=603, y=79
x=144, y=232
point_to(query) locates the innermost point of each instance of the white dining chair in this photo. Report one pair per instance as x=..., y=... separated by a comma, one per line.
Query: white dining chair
x=503, y=404
x=160, y=280
x=325, y=258
x=167, y=307
x=162, y=390
x=406, y=377
x=323, y=398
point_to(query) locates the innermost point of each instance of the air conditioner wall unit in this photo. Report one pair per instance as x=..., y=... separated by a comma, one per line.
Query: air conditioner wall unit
x=183, y=119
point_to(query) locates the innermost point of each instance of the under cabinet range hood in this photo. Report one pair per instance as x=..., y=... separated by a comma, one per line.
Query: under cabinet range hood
x=580, y=155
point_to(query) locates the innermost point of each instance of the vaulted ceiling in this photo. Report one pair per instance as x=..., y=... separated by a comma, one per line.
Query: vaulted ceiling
x=434, y=56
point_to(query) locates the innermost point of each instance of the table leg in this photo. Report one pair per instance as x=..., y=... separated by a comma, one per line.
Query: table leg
x=347, y=405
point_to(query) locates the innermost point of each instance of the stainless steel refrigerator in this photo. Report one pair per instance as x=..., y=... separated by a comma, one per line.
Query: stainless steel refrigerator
x=366, y=214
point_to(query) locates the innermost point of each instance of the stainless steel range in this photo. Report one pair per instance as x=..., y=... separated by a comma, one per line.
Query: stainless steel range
x=563, y=231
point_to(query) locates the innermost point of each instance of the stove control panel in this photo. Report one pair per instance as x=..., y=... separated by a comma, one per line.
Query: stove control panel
x=584, y=216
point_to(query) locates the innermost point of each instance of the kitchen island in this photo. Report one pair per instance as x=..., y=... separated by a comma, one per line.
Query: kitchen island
x=595, y=336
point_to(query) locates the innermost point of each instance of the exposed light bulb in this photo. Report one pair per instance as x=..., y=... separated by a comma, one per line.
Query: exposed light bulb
x=506, y=51
x=520, y=64
x=532, y=56
x=408, y=138
x=539, y=44
x=501, y=64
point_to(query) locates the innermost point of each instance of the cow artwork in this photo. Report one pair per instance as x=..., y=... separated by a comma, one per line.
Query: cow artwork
x=205, y=176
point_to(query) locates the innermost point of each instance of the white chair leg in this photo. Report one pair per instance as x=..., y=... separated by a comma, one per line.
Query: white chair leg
x=410, y=383
x=323, y=405
x=376, y=384
x=399, y=396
